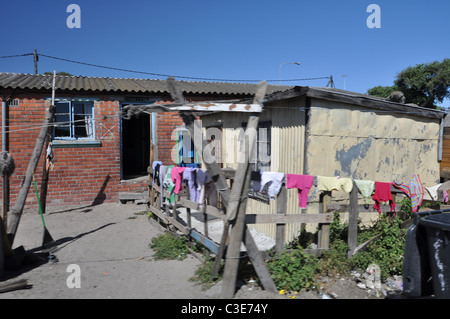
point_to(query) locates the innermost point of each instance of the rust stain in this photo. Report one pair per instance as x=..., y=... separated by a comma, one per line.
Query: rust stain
x=232, y=106
x=247, y=107
x=207, y=105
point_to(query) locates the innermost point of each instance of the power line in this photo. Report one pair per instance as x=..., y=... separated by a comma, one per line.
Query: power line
x=15, y=56
x=167, y=75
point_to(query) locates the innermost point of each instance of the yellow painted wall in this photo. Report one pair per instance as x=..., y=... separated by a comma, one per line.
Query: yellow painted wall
x=344, y=140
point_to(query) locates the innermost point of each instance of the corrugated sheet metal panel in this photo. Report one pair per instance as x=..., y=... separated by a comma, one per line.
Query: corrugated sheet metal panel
x=287, y=155
x=287, y=152
x=354, y=143
x=131, y=85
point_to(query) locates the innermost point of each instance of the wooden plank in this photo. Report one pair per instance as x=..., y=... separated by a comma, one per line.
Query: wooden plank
x=169, y=220
x=280, y=227
x=288, y=218
x=237, y=231
x=15, y=285
x=205, y=241
x=258, y=262
x=16, y=212
x=212, y=106
x=353, y=220
x=344, y=208
x=324, y=229
x=214, y=211
x=130, y=196
x=188, y=203
x=241, y=173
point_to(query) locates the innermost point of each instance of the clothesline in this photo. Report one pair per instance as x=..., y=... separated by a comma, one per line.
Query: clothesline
x=378, y=191
x=200, y=184
x=201, y=187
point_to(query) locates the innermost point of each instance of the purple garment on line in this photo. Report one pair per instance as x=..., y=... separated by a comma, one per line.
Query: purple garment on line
x=189, y=175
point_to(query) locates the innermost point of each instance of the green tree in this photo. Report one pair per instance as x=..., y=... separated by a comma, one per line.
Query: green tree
x=382, y=91
x=57, y=73
x=423, y=84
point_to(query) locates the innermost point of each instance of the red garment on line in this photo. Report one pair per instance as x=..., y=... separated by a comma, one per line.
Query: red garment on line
x=383, y=194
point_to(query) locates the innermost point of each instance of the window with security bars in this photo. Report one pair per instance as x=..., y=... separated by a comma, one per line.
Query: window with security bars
x=260, y=159
x=74, y=120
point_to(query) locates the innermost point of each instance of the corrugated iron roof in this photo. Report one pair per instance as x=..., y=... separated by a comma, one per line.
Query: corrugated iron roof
x=124, y=85
x=353, y=98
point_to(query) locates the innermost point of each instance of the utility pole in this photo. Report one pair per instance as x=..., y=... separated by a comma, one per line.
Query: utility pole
x=36, y=59
x=16, y=212
x=331, y=82
x=46, y=169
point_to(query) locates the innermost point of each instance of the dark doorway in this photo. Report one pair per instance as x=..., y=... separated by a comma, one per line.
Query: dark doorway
x=135, y=146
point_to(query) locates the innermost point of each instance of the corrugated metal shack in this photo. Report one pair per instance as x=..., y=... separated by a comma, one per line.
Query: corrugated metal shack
x=330, y=132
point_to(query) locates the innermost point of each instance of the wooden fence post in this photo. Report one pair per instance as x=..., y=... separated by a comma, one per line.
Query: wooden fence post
x=353, y=220
x=281, y=228
x=236, y=213
x=324, y=232
x=16, y=212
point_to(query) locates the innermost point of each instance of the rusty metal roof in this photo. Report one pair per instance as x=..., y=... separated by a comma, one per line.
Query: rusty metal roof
x=41, y=82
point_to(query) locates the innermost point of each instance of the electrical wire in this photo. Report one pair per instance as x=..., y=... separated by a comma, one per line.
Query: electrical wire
x=15, y=56
x=159, y=74
x=176, y=76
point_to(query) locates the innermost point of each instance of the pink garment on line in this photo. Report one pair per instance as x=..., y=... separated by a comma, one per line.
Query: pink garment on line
x=383, y=194
x=177, y=178
x=303, y=183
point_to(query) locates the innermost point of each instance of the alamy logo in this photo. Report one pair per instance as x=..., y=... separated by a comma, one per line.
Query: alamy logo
x=74, y=19
x=374, y=19
x=74, y=279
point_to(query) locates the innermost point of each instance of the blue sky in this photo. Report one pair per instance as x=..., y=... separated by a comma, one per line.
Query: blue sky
x=237, y=40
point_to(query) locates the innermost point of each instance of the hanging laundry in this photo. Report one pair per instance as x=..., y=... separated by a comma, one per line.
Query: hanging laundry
x=414, y=191
x=177, y=178
x=255, y=178
x=169, y=185
x=365, y=188
x=432, y=191
x=274, y=181
x=303, y=183
x=334, y=184
x=190, y=175
x=206, y=188
x=156, y=165
x=162, y=175
x=383, y=194
x=49, y=157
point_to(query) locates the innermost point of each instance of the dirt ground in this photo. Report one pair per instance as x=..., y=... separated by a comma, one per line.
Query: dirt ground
x=109, y=245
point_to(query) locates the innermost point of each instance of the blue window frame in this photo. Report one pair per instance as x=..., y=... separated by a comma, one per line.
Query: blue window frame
x=74, y=120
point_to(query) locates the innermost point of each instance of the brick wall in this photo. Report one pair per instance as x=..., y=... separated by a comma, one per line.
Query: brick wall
x=82, y=175
x=166, y=138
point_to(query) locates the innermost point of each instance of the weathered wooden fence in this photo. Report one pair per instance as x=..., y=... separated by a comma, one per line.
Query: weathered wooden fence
x=234, y=198
x=169, y=216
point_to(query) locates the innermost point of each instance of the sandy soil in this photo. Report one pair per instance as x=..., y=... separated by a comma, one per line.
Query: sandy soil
x=109, y=243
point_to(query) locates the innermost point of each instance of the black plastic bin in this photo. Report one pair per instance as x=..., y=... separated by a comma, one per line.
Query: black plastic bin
x=438, y=242
x=416, y=265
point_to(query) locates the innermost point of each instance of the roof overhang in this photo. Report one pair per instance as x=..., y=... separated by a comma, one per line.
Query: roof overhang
x=352, y=98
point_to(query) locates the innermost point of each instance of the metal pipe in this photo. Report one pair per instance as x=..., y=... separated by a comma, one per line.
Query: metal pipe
x=3, y=125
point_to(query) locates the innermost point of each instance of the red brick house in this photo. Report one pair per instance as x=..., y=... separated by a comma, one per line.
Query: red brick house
x=97, y=153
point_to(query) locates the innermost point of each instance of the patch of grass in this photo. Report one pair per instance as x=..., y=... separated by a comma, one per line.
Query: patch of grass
x=294, y=270
x=168, y=246
x=203, y=274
